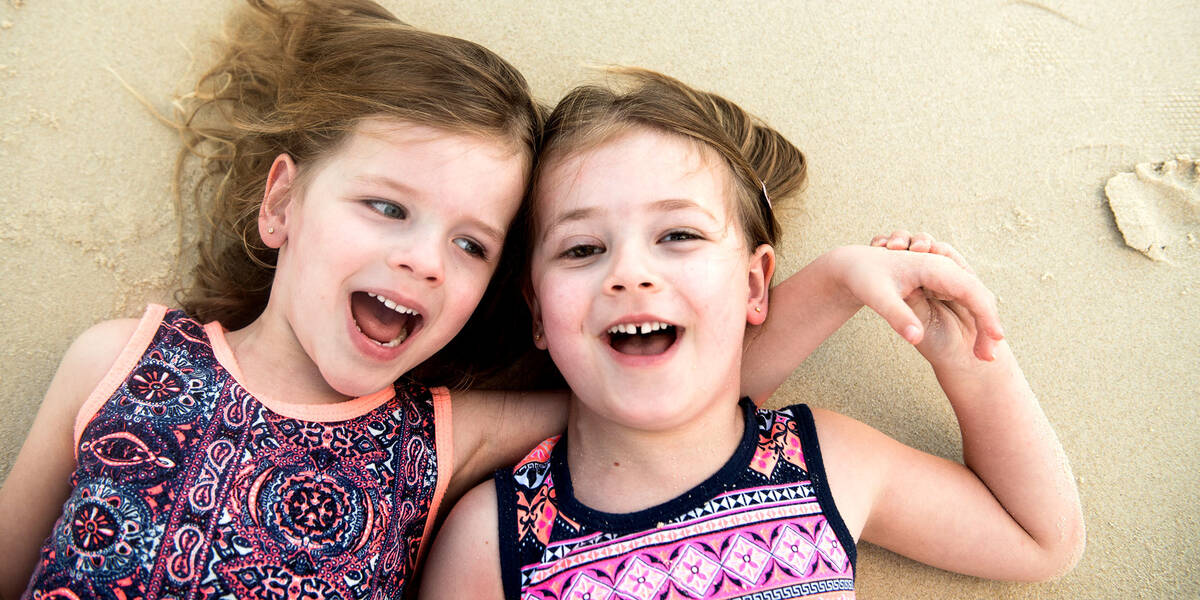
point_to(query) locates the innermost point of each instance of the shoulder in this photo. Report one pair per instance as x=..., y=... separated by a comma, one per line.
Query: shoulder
x=856, y=458
x=91, y=356
x=494, y=429
x=470, y=536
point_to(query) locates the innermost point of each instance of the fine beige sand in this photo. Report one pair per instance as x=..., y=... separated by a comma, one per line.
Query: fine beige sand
x=995, y=125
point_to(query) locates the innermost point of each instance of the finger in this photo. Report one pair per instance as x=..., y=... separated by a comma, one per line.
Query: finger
x=953, y=254
x=921, y=242
x=984, y=346
x=879, y=240
x=899, y=240
x=896, y=311
x=944, y=279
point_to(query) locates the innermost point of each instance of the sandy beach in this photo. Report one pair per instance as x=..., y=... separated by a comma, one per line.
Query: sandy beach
x=994, y=125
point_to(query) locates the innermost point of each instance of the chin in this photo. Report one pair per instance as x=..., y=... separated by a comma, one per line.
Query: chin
x=650, y=410
x=356, y=387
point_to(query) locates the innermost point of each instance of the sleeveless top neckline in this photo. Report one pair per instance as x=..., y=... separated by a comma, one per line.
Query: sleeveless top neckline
x=764, y=526
x=188, y=486
x=651, y=517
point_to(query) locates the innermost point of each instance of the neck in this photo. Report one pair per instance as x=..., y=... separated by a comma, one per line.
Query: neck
x=618, y=469
x=271, y=358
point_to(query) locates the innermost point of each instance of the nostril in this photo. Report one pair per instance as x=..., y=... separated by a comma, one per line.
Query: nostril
x=645, y=284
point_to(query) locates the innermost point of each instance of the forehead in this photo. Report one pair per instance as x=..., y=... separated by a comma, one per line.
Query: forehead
x=637, y=165
x=465, y=175
x=372, y=134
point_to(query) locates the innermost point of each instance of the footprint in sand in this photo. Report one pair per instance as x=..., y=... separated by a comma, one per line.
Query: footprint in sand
x=1157, y=207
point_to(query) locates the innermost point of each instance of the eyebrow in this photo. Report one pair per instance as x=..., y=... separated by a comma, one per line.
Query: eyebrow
x=664, y=205
x=497, y=235
x=672, y=204
x=387, y=182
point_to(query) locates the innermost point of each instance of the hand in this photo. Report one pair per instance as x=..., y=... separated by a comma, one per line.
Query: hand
x=951, y=317
x=895, y=284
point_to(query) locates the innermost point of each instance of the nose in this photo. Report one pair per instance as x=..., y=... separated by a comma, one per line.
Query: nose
x=422, y=258
x=630, y=269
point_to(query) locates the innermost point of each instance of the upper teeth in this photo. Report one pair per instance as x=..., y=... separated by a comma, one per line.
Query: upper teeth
x=635, y=328
x=400, y=308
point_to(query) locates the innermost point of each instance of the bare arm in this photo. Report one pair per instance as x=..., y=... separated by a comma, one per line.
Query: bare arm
x=814, y=302
x=1010, y=512
x=494, y=429
x=465, y=560
x=38, y=484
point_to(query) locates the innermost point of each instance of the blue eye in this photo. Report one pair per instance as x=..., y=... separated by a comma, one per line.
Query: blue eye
x=582, y=251
x=471, y=247
x=388, y=209
x=680, y=235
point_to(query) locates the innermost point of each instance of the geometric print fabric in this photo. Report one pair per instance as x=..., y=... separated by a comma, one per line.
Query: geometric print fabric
x=775, y=534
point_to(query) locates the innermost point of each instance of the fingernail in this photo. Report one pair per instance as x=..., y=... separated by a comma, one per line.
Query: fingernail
x=912, y=333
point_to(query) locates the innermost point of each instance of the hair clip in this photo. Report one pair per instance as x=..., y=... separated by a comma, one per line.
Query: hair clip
x=765, y=197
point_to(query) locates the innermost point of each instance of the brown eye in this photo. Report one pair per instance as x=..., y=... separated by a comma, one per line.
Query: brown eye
x=680, y=235
x=582, y=251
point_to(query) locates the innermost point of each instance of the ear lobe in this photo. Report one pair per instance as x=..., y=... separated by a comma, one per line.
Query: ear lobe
x=762, y=267
x=535, y=309
x=272, y=213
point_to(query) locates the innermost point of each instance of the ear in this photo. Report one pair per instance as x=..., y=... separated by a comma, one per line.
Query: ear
x=535, y=309
x=272, y=213
x=762, y=267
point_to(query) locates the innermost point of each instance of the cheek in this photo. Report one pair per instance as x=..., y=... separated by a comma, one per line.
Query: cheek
x=463, y=294
x=561, y=303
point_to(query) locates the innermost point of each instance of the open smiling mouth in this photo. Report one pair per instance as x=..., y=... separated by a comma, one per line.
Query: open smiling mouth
x=382, y=320
x=643, y=339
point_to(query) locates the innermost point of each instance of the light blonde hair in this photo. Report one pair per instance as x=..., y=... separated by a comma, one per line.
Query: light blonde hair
x=296, y=77
x=758, y=156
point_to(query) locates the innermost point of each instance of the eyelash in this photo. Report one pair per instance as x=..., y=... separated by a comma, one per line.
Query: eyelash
x=587, y=250
x=581, y=251
x=476, y=250
x=685, y=235
x=383, y=206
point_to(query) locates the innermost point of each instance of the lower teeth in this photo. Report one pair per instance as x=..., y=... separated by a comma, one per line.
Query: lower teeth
x=392, y=344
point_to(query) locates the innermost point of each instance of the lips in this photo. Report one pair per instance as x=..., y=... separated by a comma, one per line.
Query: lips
x=649, y=338
x=383, y=320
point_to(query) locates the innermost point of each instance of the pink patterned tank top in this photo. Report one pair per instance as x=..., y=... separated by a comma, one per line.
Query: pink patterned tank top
x=763, y=527
x=188, y=486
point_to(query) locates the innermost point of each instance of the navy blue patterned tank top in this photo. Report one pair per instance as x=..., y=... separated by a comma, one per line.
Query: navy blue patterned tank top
x=188, y=486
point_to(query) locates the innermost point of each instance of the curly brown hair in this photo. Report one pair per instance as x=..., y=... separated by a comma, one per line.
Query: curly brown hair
x=296, y=77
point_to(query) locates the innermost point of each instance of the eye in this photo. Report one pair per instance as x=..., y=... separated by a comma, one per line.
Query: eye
x=680, y=235
x=388, y=209
x=582, y=251
x=471, y=247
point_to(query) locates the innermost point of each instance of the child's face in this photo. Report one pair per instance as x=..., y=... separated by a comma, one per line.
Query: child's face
x=407, y=214
x=637, y=232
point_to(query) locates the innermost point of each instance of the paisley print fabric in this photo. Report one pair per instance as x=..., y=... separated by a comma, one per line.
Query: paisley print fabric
x=763, y=527
x=187, y=486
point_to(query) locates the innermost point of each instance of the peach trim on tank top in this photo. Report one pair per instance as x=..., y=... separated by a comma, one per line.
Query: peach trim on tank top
x=443, y=438
x=120, y=369
x=319, y=413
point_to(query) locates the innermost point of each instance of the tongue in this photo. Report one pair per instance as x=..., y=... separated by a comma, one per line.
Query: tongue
x=376, y=321
x=643, y=345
